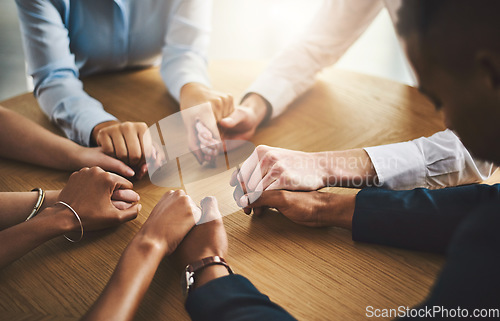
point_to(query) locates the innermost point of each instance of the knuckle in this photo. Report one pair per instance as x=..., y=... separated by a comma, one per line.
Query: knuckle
x=179, y=193
x=142, y=127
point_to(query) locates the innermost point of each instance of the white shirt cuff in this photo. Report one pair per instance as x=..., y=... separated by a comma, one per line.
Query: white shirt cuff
x=398, y=166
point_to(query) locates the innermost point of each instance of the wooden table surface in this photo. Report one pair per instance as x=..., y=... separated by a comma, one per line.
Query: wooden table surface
x=316, y=274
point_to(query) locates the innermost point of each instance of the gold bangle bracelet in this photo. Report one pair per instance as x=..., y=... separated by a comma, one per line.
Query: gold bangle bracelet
x=38, y=204
x=77, y=217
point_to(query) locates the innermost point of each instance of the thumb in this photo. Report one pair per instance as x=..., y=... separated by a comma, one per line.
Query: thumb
x=232, y=120
x=209, y=210
x=130, y=213
x=111, y=164
x=273, y=199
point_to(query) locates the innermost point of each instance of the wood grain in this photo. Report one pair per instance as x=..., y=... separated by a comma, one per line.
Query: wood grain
x=316, y=274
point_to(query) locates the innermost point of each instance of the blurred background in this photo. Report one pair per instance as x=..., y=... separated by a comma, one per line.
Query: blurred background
x=242, y=30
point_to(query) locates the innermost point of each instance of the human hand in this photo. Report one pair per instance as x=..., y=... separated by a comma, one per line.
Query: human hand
x=201, y=137
x=171, y=219
x=90, y=191
x=89, y=157
x=122, y=199
x=203, y=144
x=193, y=94
x=243, y=122
x=313, y=209
x=207, y=239
x=123, y=141
x=271, y=168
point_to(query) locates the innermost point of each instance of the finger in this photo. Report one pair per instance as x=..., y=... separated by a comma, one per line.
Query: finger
x=257, y=211
x=231, y=121
x=130, y=213
x=122, y=205
x=273, y=199
x=125, y=195
x=210, y=209
x=142, y=171
x=237, y=194
x=228, y=105
x=120, y=146
x=247, y=168
x=133, y=147
x=195, y=210
x=120, y=182
x=258, y=175
x=234, y=179
x=114, y=165
x=106, y=144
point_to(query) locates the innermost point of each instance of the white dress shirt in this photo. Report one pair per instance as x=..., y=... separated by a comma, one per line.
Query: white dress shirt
x=66, y=39
x=438, y=161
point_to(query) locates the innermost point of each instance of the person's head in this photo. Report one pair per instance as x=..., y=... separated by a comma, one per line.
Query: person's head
x=454, y=46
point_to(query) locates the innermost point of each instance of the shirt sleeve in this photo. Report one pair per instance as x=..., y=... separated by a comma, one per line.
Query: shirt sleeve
x=184, y=55
x=335, y=27
x=431, y=162
x=51, y=64
x=232, y=298
x=419, y=219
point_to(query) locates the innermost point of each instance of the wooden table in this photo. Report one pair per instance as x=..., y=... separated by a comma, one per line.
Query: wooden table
x=316, y=274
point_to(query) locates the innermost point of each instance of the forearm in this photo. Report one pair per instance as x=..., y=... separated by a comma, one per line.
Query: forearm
x=20, y=239
x=16, y=206
x=349, y=168
x=130, y=281
x=39, y=146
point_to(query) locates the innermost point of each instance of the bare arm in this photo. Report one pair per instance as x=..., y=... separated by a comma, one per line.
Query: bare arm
x=168, y=223
x=95, y=209
x=35, y=144
x=16, y=206
x=22, y=238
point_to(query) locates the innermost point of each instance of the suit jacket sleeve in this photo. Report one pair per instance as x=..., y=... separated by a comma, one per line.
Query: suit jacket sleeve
x=232, y=298
x=419, y=219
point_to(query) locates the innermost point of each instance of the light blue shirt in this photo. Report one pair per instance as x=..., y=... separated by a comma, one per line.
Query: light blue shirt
x=66, y=39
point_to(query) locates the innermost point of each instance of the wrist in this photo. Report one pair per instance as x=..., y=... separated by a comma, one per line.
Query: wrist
x=150, y=245
x=350, y=168
x=61, y=219
x=337, y=210
x=259, y=105
x=50, y=198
